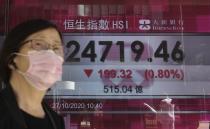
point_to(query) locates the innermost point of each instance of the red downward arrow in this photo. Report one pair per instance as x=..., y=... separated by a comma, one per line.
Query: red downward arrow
x=88, y=72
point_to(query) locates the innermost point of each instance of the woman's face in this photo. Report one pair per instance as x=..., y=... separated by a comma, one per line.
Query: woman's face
x=45, y=39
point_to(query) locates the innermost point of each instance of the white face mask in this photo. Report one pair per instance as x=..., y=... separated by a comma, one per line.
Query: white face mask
x=45, y=68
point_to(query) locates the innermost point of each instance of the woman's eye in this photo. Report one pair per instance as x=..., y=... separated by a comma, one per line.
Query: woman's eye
x=56, y=48
x=38, y=44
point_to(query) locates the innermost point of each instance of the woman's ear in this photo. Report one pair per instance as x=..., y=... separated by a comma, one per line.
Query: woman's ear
x=14, y=60
x=12, y=63
x=11, y=67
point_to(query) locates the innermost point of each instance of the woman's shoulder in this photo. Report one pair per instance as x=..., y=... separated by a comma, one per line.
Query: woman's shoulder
x=52, y=112
x=3, y=109
x=57, y=117
x=4, y=113
x=8, y=104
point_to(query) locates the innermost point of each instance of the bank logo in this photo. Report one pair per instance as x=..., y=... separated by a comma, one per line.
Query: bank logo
x=144, y=24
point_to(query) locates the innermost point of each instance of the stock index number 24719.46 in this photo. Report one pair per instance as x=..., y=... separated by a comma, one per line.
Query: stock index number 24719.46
x=137, y=48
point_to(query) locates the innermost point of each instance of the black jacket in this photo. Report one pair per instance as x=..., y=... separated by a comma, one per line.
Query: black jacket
x=11, y=116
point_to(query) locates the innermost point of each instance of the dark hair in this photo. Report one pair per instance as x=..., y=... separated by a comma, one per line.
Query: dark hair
x=13, y=42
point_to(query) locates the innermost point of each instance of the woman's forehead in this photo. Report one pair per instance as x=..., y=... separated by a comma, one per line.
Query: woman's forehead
x=47, y=34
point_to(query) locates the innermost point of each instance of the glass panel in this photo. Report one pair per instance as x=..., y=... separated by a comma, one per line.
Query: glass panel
x=137, y=64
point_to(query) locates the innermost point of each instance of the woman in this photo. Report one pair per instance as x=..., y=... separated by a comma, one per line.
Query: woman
x=31, y=62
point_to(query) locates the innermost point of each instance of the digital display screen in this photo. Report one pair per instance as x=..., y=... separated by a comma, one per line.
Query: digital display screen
x=126, y=66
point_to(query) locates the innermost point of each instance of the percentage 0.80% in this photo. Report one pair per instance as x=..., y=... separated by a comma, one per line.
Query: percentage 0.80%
x=177, y=74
